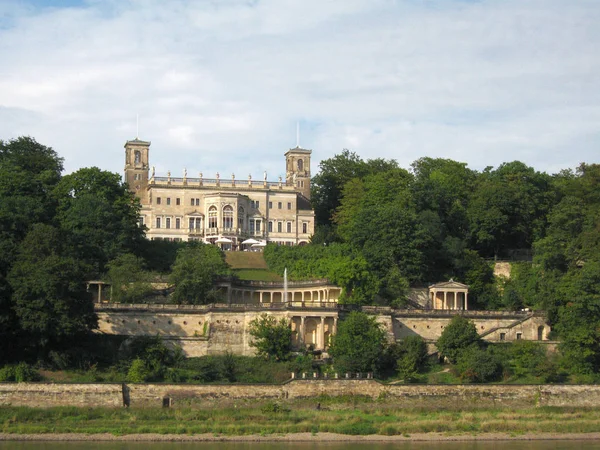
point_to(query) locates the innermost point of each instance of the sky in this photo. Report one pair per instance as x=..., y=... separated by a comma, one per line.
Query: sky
x=221, y=85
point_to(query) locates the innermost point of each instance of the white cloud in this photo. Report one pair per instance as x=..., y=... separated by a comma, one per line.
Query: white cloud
x=219, y=86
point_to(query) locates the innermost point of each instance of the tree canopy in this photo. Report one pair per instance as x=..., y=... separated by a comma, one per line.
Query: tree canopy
x=359, y=344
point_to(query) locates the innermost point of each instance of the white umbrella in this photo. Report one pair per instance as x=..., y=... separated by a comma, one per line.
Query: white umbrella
x=260, y=244
x=251, y=241
x=223, y=240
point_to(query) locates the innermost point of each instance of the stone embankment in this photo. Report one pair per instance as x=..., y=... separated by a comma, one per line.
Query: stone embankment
x=173, y=395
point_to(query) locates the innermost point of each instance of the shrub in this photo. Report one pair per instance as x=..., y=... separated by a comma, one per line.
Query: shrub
x=138, y=372
x=20, y=373
x=478, y=366
x=413, y=358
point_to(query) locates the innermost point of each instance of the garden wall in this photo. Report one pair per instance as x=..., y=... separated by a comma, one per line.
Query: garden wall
x=155, y=395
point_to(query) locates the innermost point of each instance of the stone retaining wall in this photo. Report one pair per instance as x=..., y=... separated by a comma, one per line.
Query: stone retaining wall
x=154, y=395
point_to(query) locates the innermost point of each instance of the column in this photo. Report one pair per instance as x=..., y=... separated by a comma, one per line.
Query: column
x=100, y=293
x=229, y=292
x=322, y=333
x=260, y=293
x=466, y=294
x=334, y=325
x=301, y=333
x=445, y=304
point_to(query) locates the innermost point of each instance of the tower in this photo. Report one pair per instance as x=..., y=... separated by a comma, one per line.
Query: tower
x=136, y=167
x=297, y=168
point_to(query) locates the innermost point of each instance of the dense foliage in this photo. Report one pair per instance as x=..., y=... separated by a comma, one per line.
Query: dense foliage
x=271, y=338
x=195, y=272
x=56, y=233
x=358, y=345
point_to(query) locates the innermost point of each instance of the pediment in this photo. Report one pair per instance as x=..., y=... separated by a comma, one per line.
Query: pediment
x=449, y=285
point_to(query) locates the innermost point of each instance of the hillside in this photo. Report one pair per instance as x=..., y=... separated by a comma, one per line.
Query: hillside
x=250, y=266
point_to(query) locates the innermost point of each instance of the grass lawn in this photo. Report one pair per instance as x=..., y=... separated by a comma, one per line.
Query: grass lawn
x=245, y=260
x=257, y=275
x=346, y=415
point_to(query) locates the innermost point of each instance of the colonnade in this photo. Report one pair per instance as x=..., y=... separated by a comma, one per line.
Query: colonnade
x=449, y=295
x=316, y=331
x=295, y=296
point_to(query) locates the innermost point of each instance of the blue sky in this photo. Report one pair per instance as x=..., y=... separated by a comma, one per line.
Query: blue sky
x=220, y=86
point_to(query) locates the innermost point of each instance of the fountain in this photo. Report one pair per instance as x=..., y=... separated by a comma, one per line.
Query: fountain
x=285, y=285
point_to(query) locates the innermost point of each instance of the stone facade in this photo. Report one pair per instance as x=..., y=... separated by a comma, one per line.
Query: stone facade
x=159, y=395
x=223, y=208
x=219, y=328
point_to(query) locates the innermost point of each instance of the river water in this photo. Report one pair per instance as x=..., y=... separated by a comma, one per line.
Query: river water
x=500, y=445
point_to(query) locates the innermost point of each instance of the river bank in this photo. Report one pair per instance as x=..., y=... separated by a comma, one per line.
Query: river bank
x=362, y=418
x=299, y=437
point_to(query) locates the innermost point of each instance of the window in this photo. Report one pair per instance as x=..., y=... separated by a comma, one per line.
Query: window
x=228, y=217
x=212, y=217
x=158, y=222
x=258, y=225
x=257, y=204
x=168, y=201
x=168, y=222
x=279, y=227
x=137, y=157
x=178, y=201
x=197, y=202
x=519, y=336
x=178, y=223
x=270, y=205
x=279, y=205
x=289, y=227
x=300, y=164
x=289, y=205
x=251, y=226
x=195, y=223
x=192, y=202
x=502, y=336
x=141, y=221
x=158, y=200
x=304, y=228
x=270, y=227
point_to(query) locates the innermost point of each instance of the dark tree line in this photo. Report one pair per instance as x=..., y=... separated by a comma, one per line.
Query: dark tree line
x=56, y=232
x=443, y=220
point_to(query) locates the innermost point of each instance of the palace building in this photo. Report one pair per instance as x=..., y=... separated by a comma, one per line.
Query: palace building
x=219, y=210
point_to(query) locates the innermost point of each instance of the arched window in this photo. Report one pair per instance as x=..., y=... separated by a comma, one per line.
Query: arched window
x=212, y=217
x=137, y=157
x=300, y=164
x=228, y=217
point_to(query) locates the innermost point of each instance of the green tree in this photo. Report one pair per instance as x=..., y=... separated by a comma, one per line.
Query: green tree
x=28, y=171
x=195, y=272
x=271, y=338
x=100, y=215
x=477, y=365
x=359, y=344
x=459, y=335
x=413, y=357
x=508, y=208
x=49, y=294
x=528, y=358
x=130, y=282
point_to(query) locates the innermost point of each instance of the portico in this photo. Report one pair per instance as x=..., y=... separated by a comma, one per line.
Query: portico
x=450, y=295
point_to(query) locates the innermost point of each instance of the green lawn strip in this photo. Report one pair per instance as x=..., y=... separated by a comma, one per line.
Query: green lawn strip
x=344, y=418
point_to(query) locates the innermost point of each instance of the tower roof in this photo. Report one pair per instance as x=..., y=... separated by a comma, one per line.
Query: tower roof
x=137, y=141
x=298, y=150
